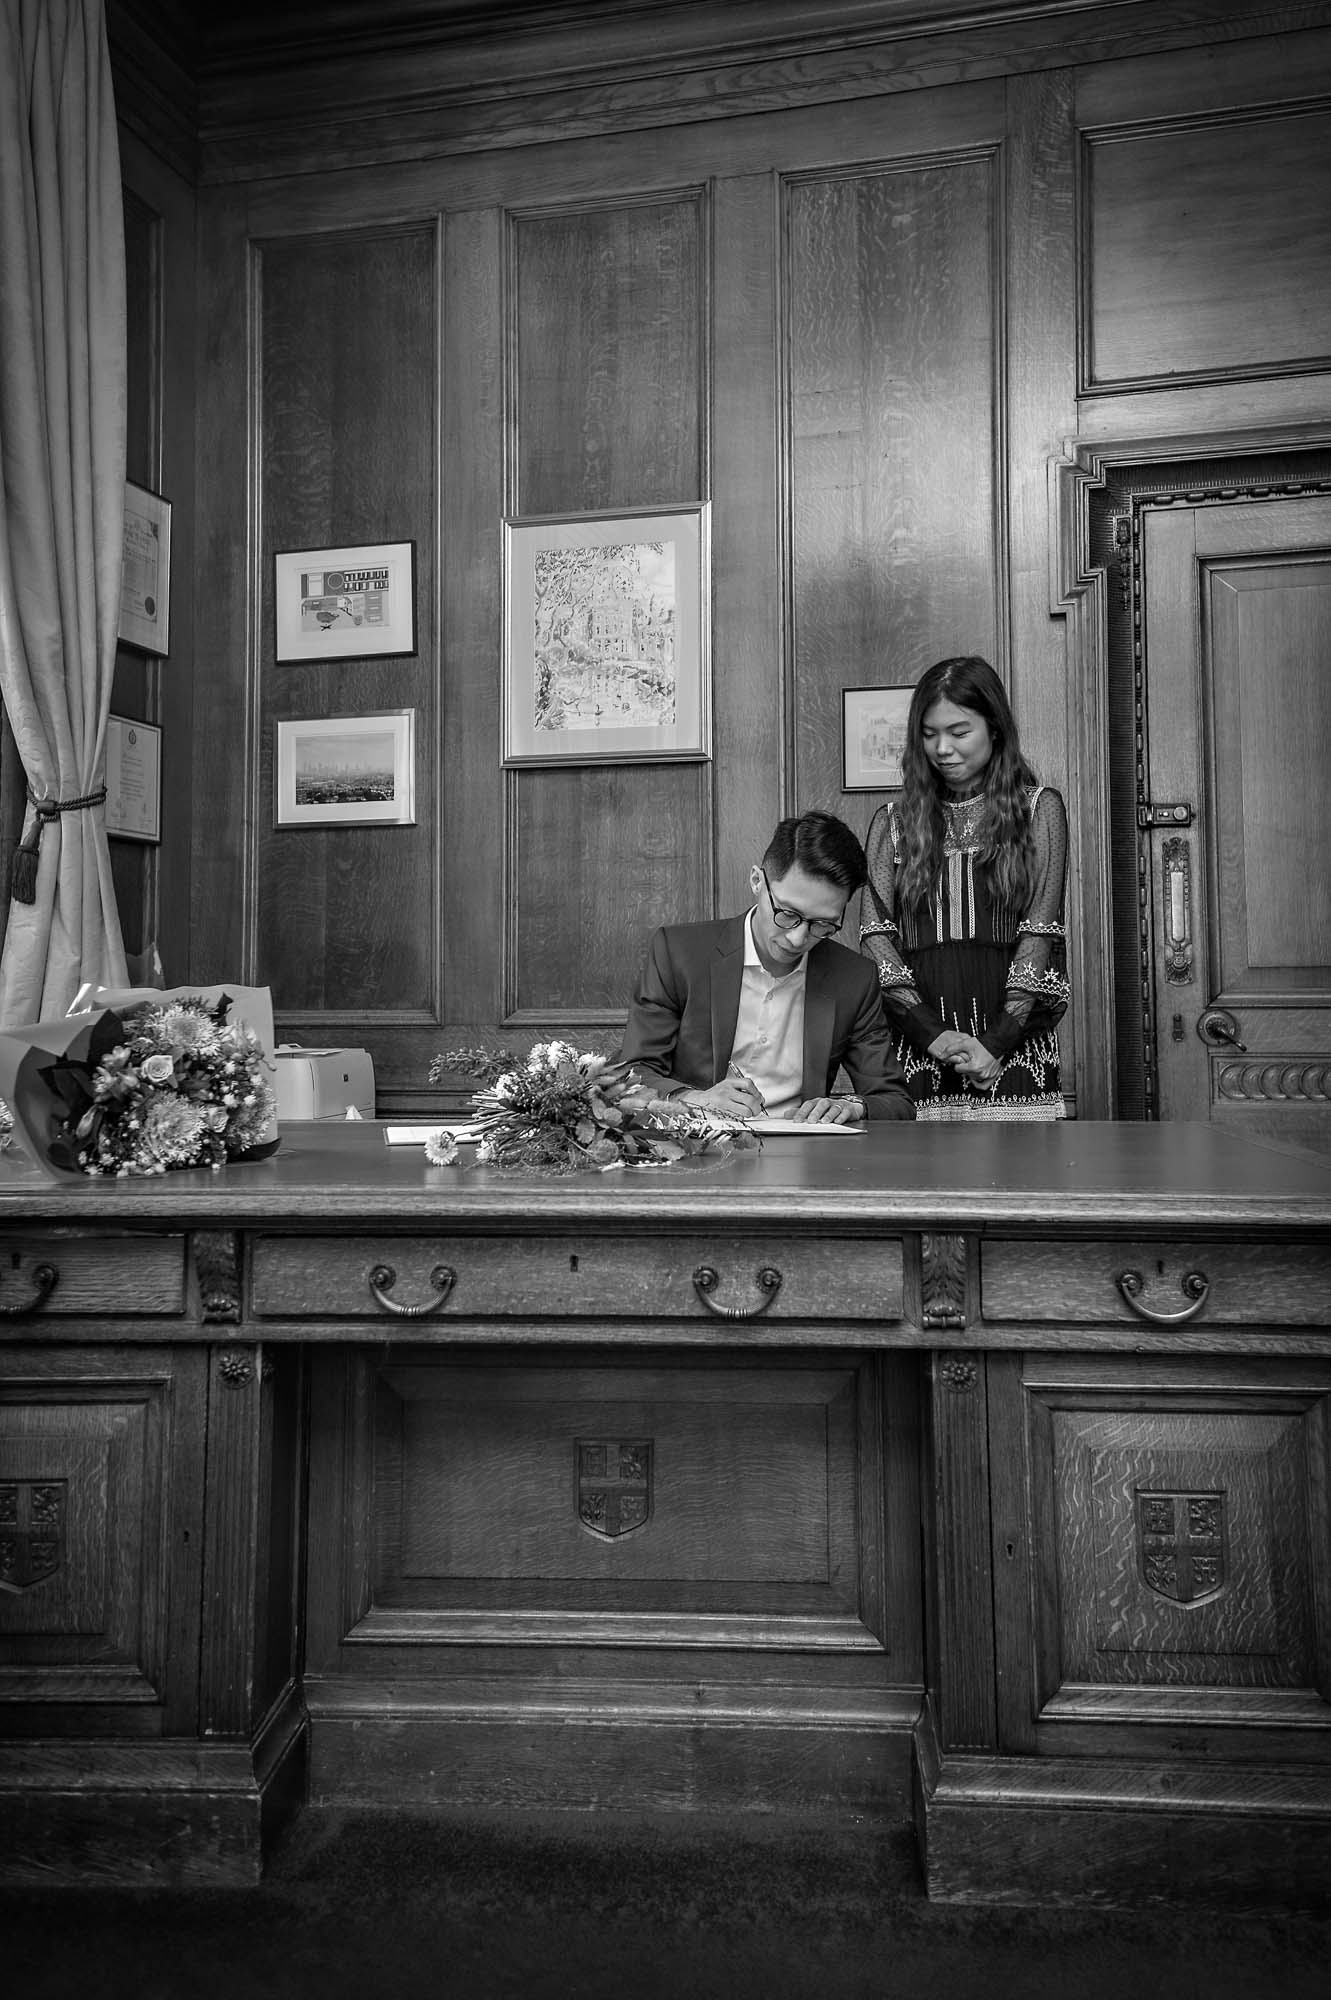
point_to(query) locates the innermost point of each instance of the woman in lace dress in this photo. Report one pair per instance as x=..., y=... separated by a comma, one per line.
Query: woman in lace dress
x=963, y=909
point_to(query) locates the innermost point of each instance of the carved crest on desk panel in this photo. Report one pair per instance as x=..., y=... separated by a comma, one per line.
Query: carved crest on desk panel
x=217, y=1266
x=613, y=1485
x=943, y=1279
x=32, y=1531
x=1183, y=1545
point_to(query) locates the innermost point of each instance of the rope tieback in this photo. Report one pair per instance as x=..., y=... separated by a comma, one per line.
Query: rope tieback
x=23, y=871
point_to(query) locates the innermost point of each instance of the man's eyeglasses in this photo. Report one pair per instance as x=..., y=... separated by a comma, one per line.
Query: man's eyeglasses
x=787, y=919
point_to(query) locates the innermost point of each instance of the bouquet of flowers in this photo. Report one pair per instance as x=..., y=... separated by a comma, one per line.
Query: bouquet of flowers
x=558, y=1111
x=173, y=1080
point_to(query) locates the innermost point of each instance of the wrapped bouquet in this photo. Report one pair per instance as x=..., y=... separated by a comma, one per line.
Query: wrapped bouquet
x=560, y=1111
x=144, y=1083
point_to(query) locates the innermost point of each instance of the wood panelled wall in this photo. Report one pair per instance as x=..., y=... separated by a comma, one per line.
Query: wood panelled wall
x=152, y=880
x=1198, y=266
x=346, y=332
x=892, y=349
x=610, y=377
x=861, y=330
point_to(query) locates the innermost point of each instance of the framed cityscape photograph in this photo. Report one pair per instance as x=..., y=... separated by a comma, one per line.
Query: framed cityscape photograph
x=145, y=572
x=607, y=637
x=347, y=770
x=345, y=604
x=873, y=737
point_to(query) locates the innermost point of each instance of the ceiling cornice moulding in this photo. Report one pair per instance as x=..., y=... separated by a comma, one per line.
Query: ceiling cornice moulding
x=296, y=87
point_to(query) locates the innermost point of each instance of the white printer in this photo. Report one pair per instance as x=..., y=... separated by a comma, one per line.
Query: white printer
x=323, y=1083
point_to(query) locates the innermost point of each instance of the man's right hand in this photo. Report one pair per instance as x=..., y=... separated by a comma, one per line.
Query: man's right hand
x=733, y=1097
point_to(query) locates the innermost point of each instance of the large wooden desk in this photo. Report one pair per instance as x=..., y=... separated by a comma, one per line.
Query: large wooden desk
x=344, y=1478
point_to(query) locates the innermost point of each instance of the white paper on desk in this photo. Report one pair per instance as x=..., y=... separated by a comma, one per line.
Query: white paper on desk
x=805, y=1127
x=416, y=1135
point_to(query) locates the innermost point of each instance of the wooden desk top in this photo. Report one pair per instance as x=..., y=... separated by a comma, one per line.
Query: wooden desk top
x=1030, y=1178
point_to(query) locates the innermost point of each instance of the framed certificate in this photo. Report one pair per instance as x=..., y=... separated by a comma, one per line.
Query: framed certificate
x=145, y=572
x=133, y=779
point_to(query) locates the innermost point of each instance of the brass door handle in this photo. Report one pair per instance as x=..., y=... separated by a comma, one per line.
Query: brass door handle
x=705, y=1282
x=1194, y=1285
x=383, y=1278
x=1217, y=1024
x=44, y=1277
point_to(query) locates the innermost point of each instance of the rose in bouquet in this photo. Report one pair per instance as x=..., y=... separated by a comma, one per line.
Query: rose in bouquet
x=157, y=1086
x=560, y=1111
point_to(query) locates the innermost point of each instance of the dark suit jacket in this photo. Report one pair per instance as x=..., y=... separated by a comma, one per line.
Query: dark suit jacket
x=684, y=1008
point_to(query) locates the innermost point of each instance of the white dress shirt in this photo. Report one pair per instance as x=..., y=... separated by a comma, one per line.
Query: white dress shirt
x=769, y=1030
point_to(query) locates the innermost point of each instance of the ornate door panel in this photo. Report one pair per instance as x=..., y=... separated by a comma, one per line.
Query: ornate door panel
x=1235, y=853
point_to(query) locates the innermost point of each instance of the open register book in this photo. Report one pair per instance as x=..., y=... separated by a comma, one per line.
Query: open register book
x=804, y=1127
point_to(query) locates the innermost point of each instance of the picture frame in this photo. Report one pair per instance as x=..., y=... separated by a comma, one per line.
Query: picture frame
x=346, y=770
x=145, y=572
x=607, y=637
x=873, y=737
x=133, y=779
x=345, y=604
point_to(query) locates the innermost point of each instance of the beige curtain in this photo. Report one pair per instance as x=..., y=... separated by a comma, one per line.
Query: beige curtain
x=62, y=454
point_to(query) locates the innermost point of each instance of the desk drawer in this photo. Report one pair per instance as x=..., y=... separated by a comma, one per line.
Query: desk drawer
x=1246, y=1284
x=91, y=1277
x=572, y=1276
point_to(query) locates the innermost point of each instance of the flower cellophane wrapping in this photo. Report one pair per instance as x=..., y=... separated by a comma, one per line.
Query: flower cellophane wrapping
x=170, y=1101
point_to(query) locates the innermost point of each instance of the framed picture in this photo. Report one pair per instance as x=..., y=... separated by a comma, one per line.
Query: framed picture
x=873, y=737
x=607, y=637
x=347, y=770
x=345, y=604
x=133, y=779
x=145, y=572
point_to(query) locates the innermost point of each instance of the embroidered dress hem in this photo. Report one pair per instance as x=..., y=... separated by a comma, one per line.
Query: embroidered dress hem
x=988, y=1111
x=1027, y=1086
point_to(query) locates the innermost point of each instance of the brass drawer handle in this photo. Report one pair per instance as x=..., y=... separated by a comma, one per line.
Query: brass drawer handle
x=705, y=1282
x=44, y=1277
x=383, y=1278
x=1194, y=1285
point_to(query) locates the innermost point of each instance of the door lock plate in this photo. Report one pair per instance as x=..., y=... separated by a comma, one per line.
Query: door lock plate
x=1164, y=815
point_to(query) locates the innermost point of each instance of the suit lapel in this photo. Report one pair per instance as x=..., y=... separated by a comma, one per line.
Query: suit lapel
x=727, y=979
x=819, y=1022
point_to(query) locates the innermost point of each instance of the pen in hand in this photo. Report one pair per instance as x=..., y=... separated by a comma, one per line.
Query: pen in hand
x=733, y=1069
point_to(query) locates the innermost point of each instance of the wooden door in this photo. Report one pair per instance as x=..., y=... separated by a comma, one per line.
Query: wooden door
x=1236, y=729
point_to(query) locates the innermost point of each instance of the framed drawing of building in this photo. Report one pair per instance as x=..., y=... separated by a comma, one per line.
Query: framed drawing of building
x=607, y=637
x=873, y=737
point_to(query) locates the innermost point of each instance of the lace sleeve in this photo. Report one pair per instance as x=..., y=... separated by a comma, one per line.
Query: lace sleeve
x=1037, y=976
x=880, y=936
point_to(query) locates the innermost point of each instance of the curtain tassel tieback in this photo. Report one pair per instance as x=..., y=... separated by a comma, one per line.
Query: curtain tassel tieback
x=23, y=871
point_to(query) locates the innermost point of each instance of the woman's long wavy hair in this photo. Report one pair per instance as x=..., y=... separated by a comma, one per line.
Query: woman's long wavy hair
x=1007, y=851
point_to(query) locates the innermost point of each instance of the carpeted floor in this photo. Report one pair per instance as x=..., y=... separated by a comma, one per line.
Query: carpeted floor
x=601, y=1907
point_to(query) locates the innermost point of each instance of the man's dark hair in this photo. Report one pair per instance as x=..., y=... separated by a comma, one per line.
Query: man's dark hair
x=821, y=845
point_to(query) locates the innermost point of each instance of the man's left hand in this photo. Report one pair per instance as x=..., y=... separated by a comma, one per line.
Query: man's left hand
x=831, y=1111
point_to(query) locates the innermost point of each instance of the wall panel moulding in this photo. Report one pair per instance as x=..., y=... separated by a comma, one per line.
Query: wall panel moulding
x=288, y=87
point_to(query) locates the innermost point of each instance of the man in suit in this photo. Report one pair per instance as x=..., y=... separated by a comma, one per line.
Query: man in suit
x=756, y=1014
